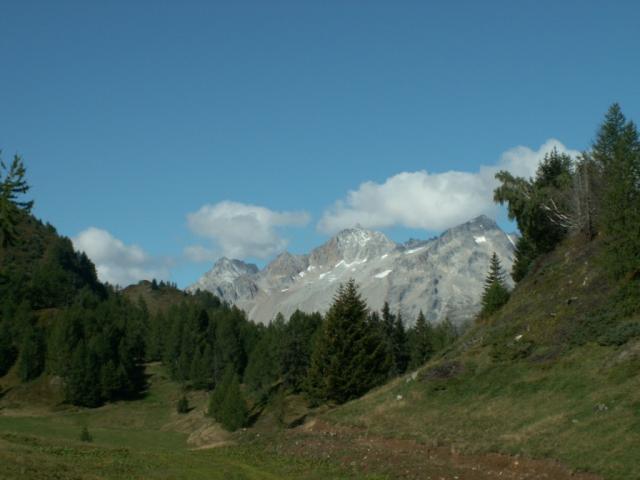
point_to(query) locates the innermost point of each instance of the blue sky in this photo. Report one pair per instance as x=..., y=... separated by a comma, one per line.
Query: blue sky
x=160, y=133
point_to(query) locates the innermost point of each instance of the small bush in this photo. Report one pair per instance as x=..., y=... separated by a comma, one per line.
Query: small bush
x=620, y=334
x=183, y=405
x=85, y=436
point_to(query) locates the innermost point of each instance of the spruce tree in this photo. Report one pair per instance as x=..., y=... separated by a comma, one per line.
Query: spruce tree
x=12, y=186
x=85, y=436
x=495, y=292
x=616, y=152
x=233, y=411
x=421, y=341
x=32, y=354
x=183, y=405
x=444, y=334
x=400, y=346
x=297, y=345
x=216, y=399
x=8, y=352
x=349, y=357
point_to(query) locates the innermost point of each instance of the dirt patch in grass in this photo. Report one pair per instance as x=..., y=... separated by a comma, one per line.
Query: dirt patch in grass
x=407, y=459
x=203, y=432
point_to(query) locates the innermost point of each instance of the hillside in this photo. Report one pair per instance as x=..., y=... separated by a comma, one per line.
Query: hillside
x=42, y=267
x=157, y=298
x=555, y=374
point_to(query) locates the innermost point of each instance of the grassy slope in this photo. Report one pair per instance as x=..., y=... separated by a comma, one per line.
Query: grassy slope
x=139, y=439
x=159, y=300
x=521, y=383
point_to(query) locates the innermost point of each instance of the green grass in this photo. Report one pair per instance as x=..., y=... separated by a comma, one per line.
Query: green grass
x=554, y=375
x=140, y=439
x=524, y=386
x=30, y=457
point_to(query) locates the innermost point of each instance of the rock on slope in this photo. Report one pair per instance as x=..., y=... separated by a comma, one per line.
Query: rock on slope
x=443, y=276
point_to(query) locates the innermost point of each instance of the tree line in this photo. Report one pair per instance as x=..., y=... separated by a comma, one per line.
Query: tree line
x=56, y=317
x=330, y=358
x=594, y=195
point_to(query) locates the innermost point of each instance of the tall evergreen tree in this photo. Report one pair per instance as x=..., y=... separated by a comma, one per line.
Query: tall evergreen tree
x=32, y=354
x=216, y=399
x=12, y=186
x=233, y=411
x=300, y=335
x=616, y=152
x=543, y=207
x=8, y=351
x=349, y=357
x=421, y=341
x=495, y=291
x=444, y=334
x=400, y=346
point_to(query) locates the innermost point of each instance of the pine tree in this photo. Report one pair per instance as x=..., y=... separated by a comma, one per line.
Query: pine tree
x=32, y=354
x=400, y=346
x=544, y=207
x=616, y=152
x=8, y=352
x=183, y=405
x=233, y=411
x=12, y=186
x=444, y=334
x=349, y=357
x=110, y=381
x=216, y=399
x=297, y=345
x=80, y=382
x=264, y=366
x=421, y=340
x=495, y=292
x=85, y=436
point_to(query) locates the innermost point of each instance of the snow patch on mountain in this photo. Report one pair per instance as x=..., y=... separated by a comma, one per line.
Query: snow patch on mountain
x=383, y=274
x=445, y=280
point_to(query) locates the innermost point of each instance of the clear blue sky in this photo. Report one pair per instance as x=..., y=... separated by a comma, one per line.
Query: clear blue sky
x=132, y=115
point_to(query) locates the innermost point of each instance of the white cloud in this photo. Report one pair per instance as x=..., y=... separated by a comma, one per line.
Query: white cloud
x=240, y=230
x=431, y=201
x=117, y=263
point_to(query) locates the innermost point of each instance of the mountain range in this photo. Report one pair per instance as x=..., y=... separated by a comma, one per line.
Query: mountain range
x=442, y=276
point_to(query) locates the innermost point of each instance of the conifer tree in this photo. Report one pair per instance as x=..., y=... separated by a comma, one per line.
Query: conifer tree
x=349, y=357
x=297, y=345
x=12, y=186
x=445, y=334
x=495, y=292
x=264, y=366
x=183, y=405
x=616, y=152
x=233, y=411
x=216, y=399
x=85, y=436
x=421, y=340
x=543, y=207
x=32, y=354
x=400, y=346
x=8, y=352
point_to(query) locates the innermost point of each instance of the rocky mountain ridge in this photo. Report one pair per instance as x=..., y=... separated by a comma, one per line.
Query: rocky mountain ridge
x=442, y=276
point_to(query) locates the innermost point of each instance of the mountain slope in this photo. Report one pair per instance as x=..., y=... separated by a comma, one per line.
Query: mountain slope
x=554, y=374
x=442, y=276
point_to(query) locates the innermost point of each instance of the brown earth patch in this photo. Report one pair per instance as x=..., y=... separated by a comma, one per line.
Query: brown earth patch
x=407, y=459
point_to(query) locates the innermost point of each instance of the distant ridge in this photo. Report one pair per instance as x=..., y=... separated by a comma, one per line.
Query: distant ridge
x=442, y=276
